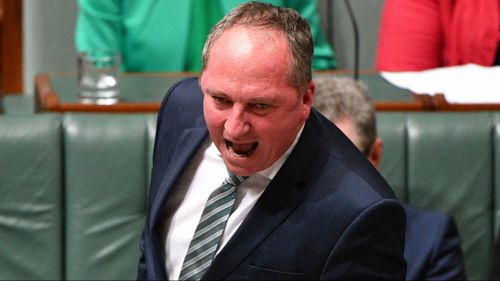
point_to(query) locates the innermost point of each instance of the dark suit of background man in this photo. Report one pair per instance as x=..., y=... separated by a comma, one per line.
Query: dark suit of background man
x=312, y=206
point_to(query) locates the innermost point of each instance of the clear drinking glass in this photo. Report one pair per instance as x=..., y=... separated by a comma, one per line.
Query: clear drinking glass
x=99, y=77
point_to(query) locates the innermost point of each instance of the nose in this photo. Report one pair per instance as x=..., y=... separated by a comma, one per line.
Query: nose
x=237, y=123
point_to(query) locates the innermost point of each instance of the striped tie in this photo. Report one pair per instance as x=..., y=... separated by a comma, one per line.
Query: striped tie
x=209, y=231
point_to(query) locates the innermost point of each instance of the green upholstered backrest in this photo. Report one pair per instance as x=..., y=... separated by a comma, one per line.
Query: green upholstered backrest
x=106, y=180
x=448, y=162
x=18, y=104
x=496, y=169
x=74, y=186
x=30, y=201
x=450, y=170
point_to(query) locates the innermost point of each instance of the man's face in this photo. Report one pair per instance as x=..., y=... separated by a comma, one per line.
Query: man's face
x=252, y=112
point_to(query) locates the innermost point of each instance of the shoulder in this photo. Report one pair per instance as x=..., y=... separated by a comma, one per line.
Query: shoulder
x=183, y=97
x=181, y=108
x=438, y=227
x=186, y=89
x=333, y=171
x=432, y=247
x=426, y=219
x=344, y=159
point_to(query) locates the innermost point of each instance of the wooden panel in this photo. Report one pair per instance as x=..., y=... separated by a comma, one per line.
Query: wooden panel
x=11, y=47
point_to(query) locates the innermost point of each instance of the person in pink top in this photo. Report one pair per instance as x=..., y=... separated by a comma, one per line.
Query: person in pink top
x=424, y=34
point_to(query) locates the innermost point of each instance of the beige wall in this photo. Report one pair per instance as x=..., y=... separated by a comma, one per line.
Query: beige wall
x=48, y=38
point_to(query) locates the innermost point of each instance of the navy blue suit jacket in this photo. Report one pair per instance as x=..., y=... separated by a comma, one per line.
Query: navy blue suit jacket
x=432, y=249
x=327, y=214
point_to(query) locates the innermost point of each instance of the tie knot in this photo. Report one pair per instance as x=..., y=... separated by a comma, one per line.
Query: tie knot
x=235, y=179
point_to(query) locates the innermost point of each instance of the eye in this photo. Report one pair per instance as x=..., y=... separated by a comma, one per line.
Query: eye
x=220, y=100
x=262, y=106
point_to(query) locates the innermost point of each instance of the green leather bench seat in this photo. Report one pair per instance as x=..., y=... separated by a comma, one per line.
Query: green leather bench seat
x=74, y=186
x=391, y=128
x=18, y=104
x=106, y=159
x=496, y=171
x=445, y=162
x=31, y=198
x=450, y=169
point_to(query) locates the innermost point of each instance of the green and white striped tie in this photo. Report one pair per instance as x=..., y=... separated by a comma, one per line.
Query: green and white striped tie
x=209, y=231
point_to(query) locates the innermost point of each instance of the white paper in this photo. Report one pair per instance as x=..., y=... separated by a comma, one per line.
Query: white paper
x=468, y=83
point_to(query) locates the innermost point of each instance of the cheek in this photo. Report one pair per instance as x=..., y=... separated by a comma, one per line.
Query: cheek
x=281, y=130
x=274, y=130
x=214, y=118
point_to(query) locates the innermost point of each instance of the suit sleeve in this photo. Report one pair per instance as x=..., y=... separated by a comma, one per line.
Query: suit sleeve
x=175, y=101
x=371, y=247
x=141, y=270
x=142, y=267
x=448, y=260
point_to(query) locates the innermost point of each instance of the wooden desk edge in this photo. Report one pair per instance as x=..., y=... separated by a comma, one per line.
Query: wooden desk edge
x=421, y=102
x=442, y=104
x=48, y=100
x=151, y=107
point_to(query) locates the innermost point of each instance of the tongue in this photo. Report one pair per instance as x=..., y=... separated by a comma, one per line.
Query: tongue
x=242, y=148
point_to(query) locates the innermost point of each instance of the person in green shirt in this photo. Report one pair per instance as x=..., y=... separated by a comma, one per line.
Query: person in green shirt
x=168, y=35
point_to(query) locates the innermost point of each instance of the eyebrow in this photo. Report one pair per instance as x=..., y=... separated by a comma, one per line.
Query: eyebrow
x=265, y=99
x=215, y=92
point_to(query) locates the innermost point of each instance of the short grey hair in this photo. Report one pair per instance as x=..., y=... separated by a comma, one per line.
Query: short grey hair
x=341, y=97
x=280, y=19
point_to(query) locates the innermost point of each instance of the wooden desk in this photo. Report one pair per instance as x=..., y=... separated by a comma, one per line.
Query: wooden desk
x=138, y=93
x=144, y=93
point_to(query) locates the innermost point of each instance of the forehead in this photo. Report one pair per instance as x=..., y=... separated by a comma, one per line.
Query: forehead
x=248, y=60
x=250, y=52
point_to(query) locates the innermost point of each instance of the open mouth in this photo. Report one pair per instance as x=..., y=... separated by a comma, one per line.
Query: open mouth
x=241, y=149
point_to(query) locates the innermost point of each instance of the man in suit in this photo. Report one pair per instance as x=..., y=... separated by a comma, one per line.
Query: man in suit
x=310, y=207
x=432, y=248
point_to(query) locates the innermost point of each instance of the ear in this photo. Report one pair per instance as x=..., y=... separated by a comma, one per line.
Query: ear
x=307, y=100
x=375, y=155
x=309, y=94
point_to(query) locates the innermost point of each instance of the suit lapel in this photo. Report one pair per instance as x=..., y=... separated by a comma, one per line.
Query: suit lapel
x=262, y=221
x=188, y=144
x=285, y=192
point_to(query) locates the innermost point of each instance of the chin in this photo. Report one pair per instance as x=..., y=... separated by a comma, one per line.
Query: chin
x=240, y=168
